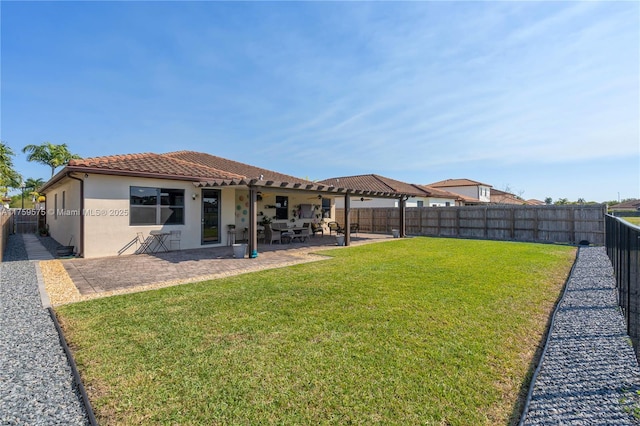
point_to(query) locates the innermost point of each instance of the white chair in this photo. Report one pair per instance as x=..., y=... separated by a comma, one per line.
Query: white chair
x=145, y=243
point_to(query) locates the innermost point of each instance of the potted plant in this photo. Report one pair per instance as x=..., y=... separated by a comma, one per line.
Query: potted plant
x=44, y=231
x=266, y=220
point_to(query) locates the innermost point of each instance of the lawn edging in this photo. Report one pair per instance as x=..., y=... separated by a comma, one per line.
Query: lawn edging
x=527, y=402
x=74, y=369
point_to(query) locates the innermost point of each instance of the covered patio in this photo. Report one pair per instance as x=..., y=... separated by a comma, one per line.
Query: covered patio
x=255, y=188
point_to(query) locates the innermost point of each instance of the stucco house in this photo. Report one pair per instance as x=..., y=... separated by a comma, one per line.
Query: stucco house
x=627, y=206
x=471, y=191
x=420, y=196
x=502, y=197
x=99, y=205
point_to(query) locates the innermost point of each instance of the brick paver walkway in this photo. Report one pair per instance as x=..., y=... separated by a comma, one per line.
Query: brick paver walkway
x=122, y=273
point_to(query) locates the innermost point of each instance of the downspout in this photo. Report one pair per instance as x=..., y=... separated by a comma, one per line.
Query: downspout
x=81, y=239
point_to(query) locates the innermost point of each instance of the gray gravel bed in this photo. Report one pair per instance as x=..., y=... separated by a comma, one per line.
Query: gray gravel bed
x=589, y=373
x=50, y=244
x=36, y=383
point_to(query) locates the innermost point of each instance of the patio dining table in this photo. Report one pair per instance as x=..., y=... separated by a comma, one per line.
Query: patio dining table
x=295, y=231
x=159, y=237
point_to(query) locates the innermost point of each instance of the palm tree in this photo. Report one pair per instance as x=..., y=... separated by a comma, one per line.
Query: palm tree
x=9, y=178
x=52, y=155
x=33, y=185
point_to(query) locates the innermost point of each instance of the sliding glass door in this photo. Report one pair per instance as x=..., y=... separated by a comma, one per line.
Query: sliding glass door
x=210, y=216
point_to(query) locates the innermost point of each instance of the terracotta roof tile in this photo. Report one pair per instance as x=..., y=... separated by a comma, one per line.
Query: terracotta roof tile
x=373, y=182
x=457, y=182
x=152, y=164
x=502, y=197
x=245, y=170
x=440, y=193
x=628, y=205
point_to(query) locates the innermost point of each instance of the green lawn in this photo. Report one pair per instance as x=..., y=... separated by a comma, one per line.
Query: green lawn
x=412, y=331
x=634, y=220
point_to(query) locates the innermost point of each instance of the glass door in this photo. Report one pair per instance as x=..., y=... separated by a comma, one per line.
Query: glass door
x=210, y=216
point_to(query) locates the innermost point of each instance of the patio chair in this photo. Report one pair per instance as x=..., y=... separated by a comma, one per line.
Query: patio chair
x=354, y=228
x=145, y=243
x=174, y=238
x=316, y=228
x=279, y=227
x=335, y=226
x=272, y=235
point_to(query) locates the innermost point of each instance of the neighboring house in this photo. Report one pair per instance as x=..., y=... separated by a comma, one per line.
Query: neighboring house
x=628, y=206
x=501, y=197
x=441, y=198
x=99, y=205
x=471, y=191
x=420, y=195
x=373, y=182
x=534, y=202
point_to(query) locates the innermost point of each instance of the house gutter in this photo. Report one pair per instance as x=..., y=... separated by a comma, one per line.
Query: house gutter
x=81, y=239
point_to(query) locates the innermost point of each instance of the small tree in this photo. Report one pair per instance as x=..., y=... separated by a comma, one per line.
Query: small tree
x=47, y=153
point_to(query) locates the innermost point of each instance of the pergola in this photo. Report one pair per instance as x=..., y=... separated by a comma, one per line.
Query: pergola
x=258, y=184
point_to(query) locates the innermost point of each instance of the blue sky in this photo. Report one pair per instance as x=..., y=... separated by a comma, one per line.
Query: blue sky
x=539, y=97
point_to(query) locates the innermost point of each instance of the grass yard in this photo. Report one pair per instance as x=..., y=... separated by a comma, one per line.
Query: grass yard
x=633, y=220
x=413, y=331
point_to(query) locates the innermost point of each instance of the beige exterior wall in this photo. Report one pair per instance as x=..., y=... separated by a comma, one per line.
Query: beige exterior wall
x=440, y=202
x=481, y=192
x=63, y=213
x=294, y=199
x=107, y=221
x=371, y=203
x=106, y=214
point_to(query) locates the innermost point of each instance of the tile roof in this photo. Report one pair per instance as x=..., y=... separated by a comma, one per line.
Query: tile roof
x=148, y=164
x=627, y=205
x=457, y=182
x=440, y=193
x=204, y=170
x=376, y=183
x=502, y=197
x=245, y=170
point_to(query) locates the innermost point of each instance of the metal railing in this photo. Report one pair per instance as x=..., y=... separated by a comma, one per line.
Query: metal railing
x=623, y=242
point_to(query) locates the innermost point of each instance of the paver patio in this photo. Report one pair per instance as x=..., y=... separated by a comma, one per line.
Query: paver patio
x=124, y=274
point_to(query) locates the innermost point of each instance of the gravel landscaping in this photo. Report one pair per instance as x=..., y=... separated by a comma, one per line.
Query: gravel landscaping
x=36, y=383
x=589, y=373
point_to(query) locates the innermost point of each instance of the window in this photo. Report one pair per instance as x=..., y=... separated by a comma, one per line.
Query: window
x=156, y=206
x=63, y=203
x=55, y=206
x=306, y=211
x=326, y=207
x=281, y=207
x=420, y=203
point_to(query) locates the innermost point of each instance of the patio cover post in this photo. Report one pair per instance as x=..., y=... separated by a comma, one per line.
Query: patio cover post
x=253, y=223
x=347, y=220
x=401, y=225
